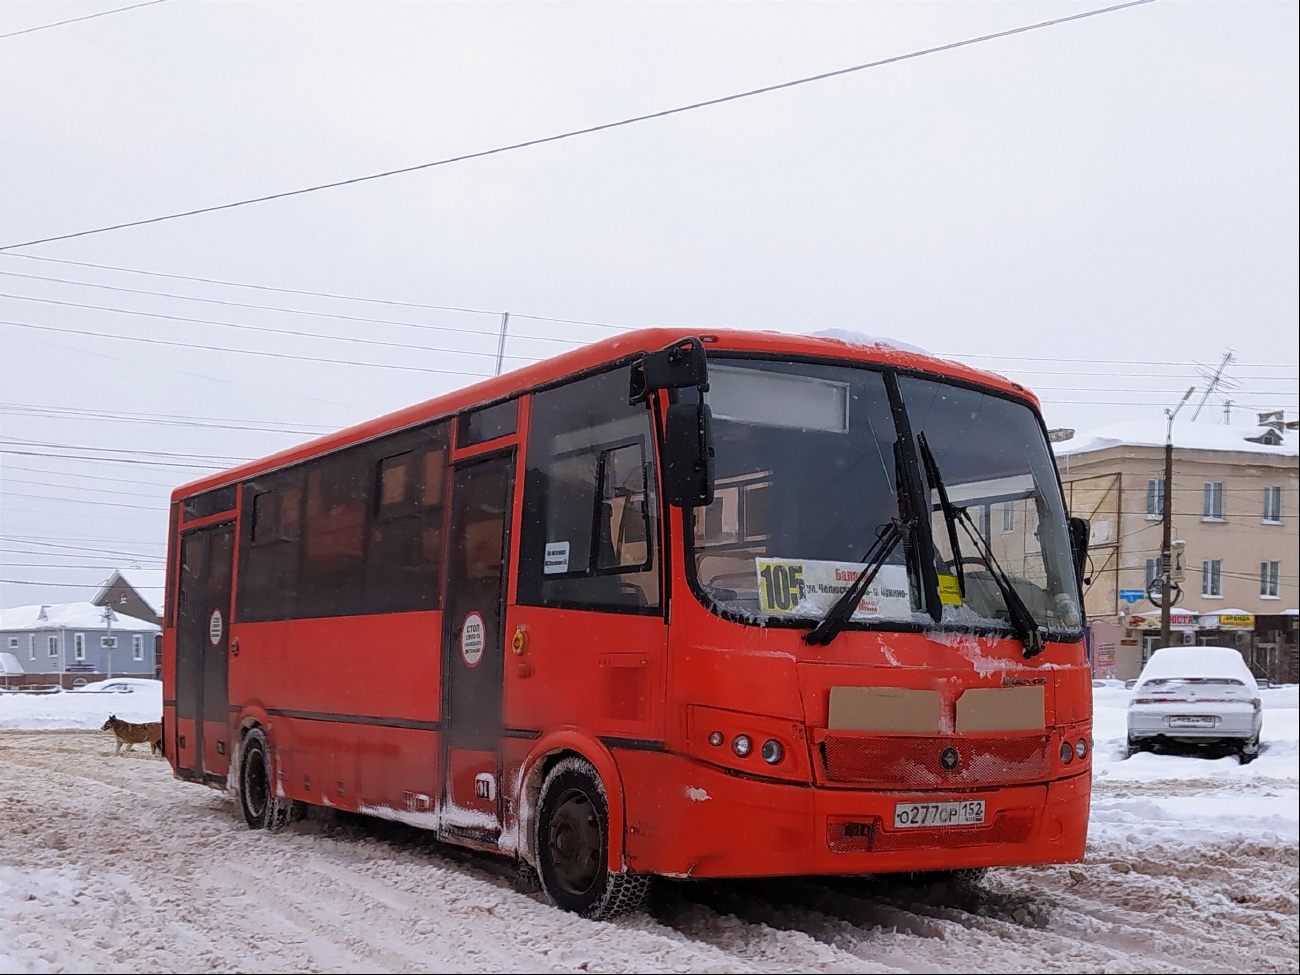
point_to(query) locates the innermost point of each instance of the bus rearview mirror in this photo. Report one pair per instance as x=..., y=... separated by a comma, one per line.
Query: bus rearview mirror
x=679, y=366
x=1080, y=533
x=688, y=455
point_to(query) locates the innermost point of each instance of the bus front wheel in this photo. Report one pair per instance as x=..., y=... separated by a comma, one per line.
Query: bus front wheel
x=572, y=843
x=262, y=808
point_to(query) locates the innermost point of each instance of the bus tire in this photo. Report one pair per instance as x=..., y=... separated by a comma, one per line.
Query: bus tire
x=572, y=843
x=261, y=807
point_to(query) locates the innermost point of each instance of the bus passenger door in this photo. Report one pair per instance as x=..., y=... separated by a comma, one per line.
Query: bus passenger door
x=202, y=644
x=473, y=649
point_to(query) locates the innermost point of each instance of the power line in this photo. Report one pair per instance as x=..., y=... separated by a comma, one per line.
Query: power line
x=252, y=352
x=112, y=460
x=161, y=419
x=163, y=491
x=125, y=450
x=79, y=502
x=589, y=130
x=288, y=311
x=73, y=20
x=275, y=331
x=543, y=318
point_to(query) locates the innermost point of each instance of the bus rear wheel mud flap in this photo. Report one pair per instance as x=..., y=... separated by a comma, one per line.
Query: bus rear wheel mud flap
x=572, y=844
x=261, y=807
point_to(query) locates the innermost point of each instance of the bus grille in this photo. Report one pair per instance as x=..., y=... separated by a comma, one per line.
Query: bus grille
x=1010, y=826
x=895, y=761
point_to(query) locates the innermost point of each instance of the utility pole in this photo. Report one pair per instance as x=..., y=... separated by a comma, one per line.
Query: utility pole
x=501, y=342
x=1166, y=544
x=109, y=643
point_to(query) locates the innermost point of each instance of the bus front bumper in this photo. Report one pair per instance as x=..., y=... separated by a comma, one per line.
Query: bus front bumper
x=689, y=819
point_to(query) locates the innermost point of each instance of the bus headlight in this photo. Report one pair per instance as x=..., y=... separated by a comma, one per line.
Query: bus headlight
x=1081, y=748
x=715, y=738
x=772, y=752
x=1067, y=753
x=741, y=745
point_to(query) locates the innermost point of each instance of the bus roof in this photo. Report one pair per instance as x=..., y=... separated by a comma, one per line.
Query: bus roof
x=620, y=347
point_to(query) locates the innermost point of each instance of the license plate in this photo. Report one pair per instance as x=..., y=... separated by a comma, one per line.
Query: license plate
x=969, y=812
x=1192, y=721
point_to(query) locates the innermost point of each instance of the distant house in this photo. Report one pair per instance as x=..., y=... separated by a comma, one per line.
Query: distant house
x=64, y=642
x=134, y=592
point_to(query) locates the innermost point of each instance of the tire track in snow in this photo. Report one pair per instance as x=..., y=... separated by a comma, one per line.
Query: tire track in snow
x=108, y=864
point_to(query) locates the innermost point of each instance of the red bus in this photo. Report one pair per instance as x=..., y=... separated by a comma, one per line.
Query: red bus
x=693, y=606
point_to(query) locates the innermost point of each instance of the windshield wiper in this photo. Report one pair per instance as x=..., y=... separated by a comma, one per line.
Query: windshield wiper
x=1022, y=621
x=949, y=511
x=888, y=536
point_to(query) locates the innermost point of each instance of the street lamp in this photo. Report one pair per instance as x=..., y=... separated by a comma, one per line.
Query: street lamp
x=1166, y=545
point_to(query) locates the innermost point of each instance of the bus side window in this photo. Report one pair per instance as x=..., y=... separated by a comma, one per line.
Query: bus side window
x=333, y=552
x=404, y=559
x=589, y=538
x=268, y=580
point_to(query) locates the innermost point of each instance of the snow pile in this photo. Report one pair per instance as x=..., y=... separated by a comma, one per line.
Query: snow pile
x=80, y=709
x=1190, y=799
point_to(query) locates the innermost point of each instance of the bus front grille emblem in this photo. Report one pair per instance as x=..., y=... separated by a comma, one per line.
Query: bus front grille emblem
x=948, y=758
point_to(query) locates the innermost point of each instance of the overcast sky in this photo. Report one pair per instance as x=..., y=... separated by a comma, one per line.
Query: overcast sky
x=1092, y=209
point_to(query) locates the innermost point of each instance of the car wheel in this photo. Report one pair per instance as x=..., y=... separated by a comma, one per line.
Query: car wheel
x=1134, y=746
x=1248, y=751
x=572, y=842
x=261, y=807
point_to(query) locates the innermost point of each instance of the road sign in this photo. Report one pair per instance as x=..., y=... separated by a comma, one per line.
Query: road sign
x=108, y=642
x=1132, y=595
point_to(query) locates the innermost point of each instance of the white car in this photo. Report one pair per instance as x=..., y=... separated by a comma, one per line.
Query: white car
x=1196, y=696
x=119, y=685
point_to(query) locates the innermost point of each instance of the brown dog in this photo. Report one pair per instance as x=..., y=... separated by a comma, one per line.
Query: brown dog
x=130, y=734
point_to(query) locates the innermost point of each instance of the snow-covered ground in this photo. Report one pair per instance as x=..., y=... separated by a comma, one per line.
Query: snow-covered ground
x=108, y=864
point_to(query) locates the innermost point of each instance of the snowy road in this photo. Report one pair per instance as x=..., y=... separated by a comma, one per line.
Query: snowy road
x=108, y=864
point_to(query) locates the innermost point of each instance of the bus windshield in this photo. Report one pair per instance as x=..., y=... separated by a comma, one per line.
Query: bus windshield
x=808, y=467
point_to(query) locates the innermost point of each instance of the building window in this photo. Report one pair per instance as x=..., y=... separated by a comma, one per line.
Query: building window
x=137, y=646
x=1268, y=575
x=1150, y=644
x=1212, y=577
x=1153, y=572
x=1156, y=497
x=13, y=643
x=79, y=646
x=31, y=646
x=121, y=598
x=1273, y=504
x=53, y=643
x=1009, y=517
x=1213, y=507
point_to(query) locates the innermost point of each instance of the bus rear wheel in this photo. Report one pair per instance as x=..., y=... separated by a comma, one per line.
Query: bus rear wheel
x=261, y=807
x=572, y=843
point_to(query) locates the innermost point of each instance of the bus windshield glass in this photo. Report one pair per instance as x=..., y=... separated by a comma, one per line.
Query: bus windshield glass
x=807, y=482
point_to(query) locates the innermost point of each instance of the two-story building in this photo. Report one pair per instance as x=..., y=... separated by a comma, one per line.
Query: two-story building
x=68, y=642
x=1234, y=505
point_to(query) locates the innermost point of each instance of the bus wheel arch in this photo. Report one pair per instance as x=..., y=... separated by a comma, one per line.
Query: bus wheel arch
x=549, y=752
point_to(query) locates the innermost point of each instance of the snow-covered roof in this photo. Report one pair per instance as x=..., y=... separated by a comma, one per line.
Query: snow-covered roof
x=1201, y=435
x=850, y=337
x=151, y=584
x=72, y=616
x=1197, y=662
x=9, y=664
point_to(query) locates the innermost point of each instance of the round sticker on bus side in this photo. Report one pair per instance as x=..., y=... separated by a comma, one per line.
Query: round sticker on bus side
x=472, y=636
x=215, y=627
